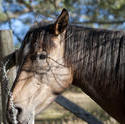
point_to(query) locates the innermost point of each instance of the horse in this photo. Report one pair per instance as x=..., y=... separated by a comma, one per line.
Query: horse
x=53, y=56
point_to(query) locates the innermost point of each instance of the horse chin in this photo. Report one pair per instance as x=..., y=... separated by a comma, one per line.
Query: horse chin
x=26, y=118
x=26, y=122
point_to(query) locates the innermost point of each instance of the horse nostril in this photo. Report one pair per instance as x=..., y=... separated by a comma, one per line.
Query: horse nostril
x=19, y=110
x=13, y=114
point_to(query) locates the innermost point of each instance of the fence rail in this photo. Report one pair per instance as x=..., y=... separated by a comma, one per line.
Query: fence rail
x=77, y=110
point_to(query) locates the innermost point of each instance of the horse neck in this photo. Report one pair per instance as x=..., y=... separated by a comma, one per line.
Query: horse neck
x=93, y=55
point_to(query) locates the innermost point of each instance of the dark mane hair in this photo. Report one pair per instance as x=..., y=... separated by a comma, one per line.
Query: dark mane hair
x=96, y=54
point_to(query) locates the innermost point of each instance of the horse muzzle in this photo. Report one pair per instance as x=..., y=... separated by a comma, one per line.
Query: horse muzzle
x=17, y=116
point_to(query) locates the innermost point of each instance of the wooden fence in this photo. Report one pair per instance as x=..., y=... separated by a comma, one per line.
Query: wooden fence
x=6, y=47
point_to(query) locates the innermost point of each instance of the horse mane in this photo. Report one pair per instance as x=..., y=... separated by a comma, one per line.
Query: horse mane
x=96, y=55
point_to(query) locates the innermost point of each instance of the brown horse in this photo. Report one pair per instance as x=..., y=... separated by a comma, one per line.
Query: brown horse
x=54, y=56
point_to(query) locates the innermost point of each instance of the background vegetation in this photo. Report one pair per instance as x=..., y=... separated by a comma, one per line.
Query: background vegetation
x=19, y=15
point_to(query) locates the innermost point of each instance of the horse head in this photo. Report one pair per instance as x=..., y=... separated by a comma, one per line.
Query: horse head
x=42, y=72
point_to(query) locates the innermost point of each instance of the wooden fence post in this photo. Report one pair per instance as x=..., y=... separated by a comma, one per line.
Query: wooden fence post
x=6, y=47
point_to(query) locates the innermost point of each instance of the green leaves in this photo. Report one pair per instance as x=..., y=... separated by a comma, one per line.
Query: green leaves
x=93, y=11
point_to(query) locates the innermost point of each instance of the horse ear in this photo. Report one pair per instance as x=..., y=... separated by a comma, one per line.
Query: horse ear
x=61, y=22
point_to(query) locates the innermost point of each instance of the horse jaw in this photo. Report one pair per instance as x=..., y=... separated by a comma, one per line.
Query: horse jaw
x=40, y=100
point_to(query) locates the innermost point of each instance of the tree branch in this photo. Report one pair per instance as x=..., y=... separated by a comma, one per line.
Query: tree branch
x=13, y=16
x=10, y=25
x=26, y=4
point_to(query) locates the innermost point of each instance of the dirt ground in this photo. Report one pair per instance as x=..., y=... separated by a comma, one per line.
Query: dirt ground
x=56, y=114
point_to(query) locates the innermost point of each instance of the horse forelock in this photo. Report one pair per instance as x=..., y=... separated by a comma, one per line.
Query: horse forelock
x=39, y=36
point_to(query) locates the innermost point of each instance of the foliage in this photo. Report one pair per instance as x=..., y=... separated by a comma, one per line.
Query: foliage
x=94, y=13
x=99, y=10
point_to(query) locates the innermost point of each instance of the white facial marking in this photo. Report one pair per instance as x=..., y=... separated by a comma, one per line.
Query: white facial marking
x=26, y=49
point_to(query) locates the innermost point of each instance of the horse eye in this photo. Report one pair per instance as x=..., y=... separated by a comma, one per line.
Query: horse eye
x=42, y=56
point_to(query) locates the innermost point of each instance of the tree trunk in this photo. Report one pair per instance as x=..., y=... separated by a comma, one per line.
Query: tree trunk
x=6, y=47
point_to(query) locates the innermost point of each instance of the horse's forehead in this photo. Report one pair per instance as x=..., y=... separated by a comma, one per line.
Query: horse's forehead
x=36, y=40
